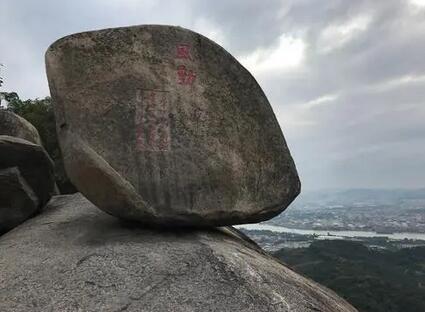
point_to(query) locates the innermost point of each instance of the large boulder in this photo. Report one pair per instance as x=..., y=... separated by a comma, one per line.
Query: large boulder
x=73, y=257
x=26, y=180
x=161, y=125
x=16, y=126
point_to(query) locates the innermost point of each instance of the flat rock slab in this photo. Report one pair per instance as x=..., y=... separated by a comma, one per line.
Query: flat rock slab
x=161, y=125
x=73, y=257
x=18, y=201
x=16, y=126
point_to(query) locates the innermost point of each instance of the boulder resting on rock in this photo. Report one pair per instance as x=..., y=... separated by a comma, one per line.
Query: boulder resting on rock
x=74, y=257
x=161, y=125
x=26, y=180
x=16, y=126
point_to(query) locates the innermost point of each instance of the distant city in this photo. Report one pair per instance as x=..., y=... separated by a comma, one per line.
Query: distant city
x=377, y=218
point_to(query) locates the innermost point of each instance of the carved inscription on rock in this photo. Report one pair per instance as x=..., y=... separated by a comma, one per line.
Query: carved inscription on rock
x=152, y=121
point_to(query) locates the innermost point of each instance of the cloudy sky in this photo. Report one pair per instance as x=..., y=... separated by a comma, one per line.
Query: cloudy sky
x=346, y=78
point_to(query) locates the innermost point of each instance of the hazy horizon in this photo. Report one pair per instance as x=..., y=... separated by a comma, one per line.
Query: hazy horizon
x=346, y=79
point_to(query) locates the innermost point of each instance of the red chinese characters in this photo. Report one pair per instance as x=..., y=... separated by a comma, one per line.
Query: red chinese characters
x=185, y=76
x=183, y=52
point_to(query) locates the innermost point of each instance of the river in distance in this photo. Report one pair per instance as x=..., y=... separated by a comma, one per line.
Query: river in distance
x=331, y=233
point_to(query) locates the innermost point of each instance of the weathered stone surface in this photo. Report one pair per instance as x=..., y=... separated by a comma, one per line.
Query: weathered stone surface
x=17, y=200
x=159, y=124
x=35, y=166
x=16, y=126
x=73, y=257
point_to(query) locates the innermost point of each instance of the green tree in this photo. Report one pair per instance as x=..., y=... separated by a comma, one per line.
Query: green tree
x=371, y=280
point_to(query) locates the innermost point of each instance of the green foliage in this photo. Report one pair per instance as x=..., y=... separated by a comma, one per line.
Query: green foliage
x=371, y=280
x=39, y=112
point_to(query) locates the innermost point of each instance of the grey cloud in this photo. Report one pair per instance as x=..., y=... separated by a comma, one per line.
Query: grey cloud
x=247, y=24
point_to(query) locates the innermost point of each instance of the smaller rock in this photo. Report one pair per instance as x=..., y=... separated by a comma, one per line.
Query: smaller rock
x=26, y=180
x=33, y=162
x=16, y=126
x=17, y=199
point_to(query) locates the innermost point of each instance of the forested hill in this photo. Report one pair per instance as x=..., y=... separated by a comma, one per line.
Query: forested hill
x=371, y=280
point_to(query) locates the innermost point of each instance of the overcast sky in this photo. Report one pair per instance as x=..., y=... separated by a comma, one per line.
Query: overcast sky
x=346, y=78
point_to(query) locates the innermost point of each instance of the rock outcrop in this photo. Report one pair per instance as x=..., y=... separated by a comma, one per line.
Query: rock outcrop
x=73, y=257
x=16, y=126
x=17, y=199
x=26, y=180
x=161, y=125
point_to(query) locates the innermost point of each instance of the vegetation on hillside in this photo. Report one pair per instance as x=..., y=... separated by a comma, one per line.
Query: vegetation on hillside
x=371, y=280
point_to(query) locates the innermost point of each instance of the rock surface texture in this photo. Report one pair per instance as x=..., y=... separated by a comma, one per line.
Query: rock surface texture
x=161, y=125
x=73, y=257
x=16, y=126
x=26, y=180
x=17, y=199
